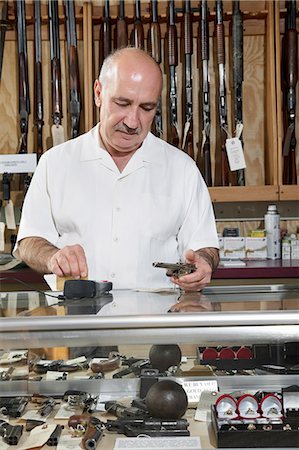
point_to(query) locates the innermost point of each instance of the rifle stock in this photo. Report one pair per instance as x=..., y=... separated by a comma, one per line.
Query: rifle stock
x=121, y=29
x=137, y=37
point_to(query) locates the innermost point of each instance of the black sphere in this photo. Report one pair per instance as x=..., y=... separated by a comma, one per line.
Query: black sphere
x=166, y=399
x=164, y=356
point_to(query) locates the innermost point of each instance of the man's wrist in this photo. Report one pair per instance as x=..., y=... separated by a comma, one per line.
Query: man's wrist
x=210, y=255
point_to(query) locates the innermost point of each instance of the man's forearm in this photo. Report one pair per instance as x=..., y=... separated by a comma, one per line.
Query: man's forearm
x=210, y=255
x=36, y=252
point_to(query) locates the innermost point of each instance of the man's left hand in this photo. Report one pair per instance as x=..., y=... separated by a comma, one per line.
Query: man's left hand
x=197, y=280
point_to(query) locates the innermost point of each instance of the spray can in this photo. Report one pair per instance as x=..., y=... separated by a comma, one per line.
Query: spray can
x=272, y=227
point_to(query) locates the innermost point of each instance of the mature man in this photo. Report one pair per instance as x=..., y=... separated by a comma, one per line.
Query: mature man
x=114, y=200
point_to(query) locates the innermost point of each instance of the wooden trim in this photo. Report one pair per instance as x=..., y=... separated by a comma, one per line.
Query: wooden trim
x=88, y=64
x=244, y=194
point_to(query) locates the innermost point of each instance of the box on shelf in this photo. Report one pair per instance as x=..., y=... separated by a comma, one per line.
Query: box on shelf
x=256, y=247
x=233, y=247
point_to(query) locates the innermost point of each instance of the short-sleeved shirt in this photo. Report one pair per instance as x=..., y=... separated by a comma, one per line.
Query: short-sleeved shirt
x=154, y=210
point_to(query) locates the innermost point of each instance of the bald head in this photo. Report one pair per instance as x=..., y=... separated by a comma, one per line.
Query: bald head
x=130, y=59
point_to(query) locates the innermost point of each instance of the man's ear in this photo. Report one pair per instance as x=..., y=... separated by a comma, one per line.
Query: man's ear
x=97, y=89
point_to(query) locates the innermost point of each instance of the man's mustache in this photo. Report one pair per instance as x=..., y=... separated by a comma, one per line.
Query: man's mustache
x=125, y=129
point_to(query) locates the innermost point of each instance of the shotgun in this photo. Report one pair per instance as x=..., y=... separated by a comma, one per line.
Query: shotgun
x=155, y=47
x=290, y=78
x=121, y=27
x=75, y=96
x=24, y=100
x=57, y=128
x=187, y=143
x=3, y=27
x=222, y=104
x=206, y=115
x=172, y=38
x=105, y=35
x=137, y=36
x=38, y=85
x=237, y=47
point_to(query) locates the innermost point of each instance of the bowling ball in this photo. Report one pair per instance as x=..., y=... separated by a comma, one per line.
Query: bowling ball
x=166, y=399
x=164, y=356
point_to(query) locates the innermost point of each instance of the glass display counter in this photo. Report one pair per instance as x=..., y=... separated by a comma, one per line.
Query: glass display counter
x=242, y=338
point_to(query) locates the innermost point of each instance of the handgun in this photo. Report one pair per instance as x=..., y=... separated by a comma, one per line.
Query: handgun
x=176, y=269
x=11, y=433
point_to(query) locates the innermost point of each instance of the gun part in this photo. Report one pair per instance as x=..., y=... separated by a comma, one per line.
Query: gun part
x=11, y=433
x=54, y=438
x=113, y=362
x=176, y=269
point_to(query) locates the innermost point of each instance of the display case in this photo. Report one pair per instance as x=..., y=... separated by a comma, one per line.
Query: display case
x=234, y=341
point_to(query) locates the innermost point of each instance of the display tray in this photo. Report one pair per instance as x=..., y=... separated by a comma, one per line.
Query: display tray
x=234, y=430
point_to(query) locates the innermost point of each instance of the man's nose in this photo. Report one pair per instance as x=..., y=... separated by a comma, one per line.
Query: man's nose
x=132, y=118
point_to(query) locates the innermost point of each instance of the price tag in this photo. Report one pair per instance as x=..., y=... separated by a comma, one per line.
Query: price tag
x=69, y=442
x=10, y=215
x=235, y=154
x=19, y=163
x=2, y=239
x=194, y=388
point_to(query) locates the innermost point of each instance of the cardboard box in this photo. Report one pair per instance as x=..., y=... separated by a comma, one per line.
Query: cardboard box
x=234, y=247
x=256, y=247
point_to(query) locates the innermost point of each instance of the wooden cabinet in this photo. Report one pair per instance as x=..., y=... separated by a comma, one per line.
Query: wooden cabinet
x=261, y=87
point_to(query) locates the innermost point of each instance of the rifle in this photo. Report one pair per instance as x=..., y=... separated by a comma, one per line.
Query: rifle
x=135, y=368
x=187, y=143
x=105, y=34
x=205, y=146
x=3, y=27
x=75, y=97
x=24, y=100
x=237, y=44
x=222, y=92
x=155, y=48
x=38, y=85
x=290, y=78
x=56, y=129
x=172, y=129
x=137, y=35
x=121, y=27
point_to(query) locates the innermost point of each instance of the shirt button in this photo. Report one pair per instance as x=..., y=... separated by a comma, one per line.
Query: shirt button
x=115, y=239
x=112, y=275
x=117, y=209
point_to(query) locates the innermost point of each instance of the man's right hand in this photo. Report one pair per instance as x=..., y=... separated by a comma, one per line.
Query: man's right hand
x=70, y=261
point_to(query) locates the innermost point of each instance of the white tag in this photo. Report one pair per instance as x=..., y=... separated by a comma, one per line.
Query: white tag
x=239, y=129
x=206, y=400
x=2, y=238
x=10, y=215
x=19, y=163
x=38, y=436
x=186, y=129
x=68, y=442
x=235, y=154
x=78, y=360
x=66, y=411
x=53, y=374
x=57, y=134
x=194, y=388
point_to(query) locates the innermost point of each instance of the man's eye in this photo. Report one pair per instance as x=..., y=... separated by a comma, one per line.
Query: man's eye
x=121, y=104
x=148, y=108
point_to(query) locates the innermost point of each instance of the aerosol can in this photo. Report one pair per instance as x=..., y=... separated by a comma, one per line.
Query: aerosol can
x=272, y=227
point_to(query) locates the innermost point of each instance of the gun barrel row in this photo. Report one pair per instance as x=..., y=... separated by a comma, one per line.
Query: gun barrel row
x=175, y=119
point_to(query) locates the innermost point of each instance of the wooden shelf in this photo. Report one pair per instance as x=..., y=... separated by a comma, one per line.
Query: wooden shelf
x=244, y=194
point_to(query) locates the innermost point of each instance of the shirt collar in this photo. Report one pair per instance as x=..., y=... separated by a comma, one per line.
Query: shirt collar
x=148, y=152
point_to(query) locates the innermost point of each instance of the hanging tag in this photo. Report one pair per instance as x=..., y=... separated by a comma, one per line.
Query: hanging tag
x=235, y=154
x=239, y=129
x=2, y=237
x=186, y=130
x=57, y=134
x=10, y=215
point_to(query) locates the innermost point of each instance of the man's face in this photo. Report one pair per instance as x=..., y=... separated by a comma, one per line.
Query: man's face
x=128, y=102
